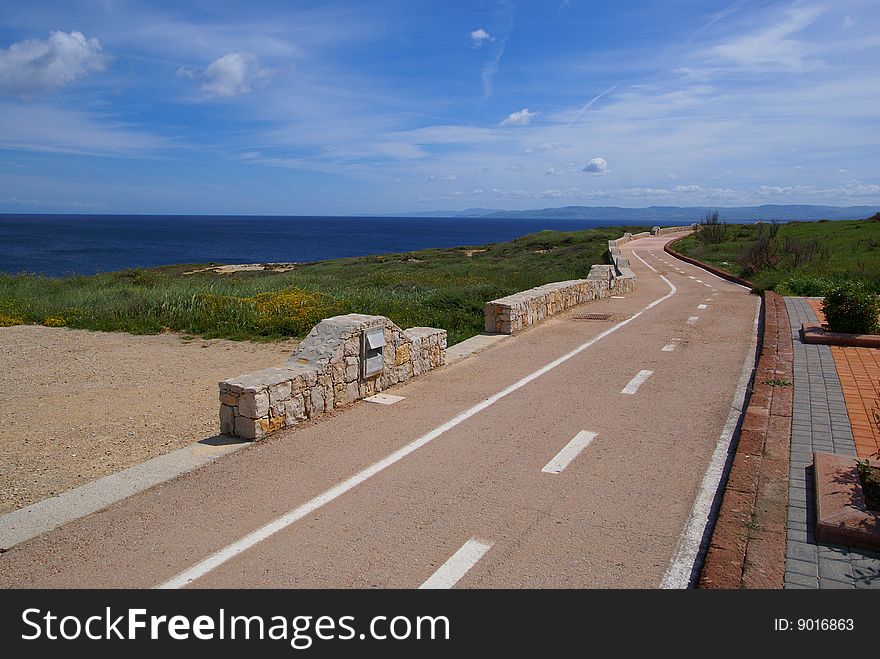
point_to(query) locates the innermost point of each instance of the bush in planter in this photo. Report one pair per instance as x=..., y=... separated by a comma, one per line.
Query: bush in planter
x=852, y=307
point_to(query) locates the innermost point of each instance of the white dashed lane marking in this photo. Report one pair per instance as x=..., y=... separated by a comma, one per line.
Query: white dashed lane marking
x=458, y=565
x=636, y=382
x=569, y=453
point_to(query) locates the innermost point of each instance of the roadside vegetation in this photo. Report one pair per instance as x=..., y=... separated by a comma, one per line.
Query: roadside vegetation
x=794, y=258
x=444, y=288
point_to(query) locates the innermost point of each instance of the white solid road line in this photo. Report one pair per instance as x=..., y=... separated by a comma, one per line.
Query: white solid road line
x=648, y=265
x=693, y=320
x=221, y=556
x=681, y=567
x=458, y=565
x=570, y=452
x=636, y=382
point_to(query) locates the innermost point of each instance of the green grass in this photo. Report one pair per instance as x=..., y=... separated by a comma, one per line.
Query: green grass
x=802, y=258
x=444, y=288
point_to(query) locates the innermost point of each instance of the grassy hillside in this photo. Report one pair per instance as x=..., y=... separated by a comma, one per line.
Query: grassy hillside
x=444, y=288
x=796, y=257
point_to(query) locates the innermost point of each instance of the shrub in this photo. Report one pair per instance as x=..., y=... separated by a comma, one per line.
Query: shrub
x=712, y=231
x=759, y=255
x=290, y=312
x=852, y=307
x=8, y=321
x=805, y=285
x=803, y=252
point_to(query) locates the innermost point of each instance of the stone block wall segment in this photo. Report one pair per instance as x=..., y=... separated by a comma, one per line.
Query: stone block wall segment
x=324, y=373
x=515, y=312
x=689, y=227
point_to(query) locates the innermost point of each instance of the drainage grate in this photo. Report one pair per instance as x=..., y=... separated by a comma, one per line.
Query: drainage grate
x=594, y=316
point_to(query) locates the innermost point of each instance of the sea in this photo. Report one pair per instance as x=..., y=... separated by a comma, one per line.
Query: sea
x=65, y=245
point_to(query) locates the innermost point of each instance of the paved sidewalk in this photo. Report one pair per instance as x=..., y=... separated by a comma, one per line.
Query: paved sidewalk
x=819, y=423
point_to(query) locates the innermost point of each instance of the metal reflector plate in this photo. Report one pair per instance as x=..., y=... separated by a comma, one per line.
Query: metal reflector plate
x=375, y=338
x=373, y=365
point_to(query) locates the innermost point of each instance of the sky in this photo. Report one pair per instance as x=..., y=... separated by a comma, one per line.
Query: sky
x=331, y=107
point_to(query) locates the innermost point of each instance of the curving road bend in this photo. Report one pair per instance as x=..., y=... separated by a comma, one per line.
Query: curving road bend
x=572, y=455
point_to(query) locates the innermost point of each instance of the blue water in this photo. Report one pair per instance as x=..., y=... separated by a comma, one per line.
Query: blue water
x=60, y=245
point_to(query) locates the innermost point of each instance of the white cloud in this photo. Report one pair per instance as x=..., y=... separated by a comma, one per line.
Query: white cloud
x=519, y=118
x=772, y=48
x=852, y=189
x=32, y=66
x=550, y=145
x=230, y=75
x=479, y=37
x=597, y=166
x=39, y=127
x=13, y=200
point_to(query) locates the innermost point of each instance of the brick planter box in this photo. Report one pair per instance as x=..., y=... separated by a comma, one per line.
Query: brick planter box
x=842, y=518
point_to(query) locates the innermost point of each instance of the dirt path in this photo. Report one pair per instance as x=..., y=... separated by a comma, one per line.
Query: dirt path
x=78, y=405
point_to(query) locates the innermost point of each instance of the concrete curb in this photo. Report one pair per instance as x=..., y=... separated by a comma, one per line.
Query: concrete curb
x=48, y=514
x=472, y=346
x=706, y=266
x=747, y=548
x=815, y=333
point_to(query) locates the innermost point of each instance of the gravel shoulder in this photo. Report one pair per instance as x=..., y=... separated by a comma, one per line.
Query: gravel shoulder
x=79, y=405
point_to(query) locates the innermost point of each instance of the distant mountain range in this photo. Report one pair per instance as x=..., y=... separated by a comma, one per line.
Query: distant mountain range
x=661, y=214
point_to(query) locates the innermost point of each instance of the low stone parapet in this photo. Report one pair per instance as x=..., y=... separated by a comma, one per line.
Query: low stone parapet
x=515, y=312
x=328, y=371
x=512, y=313
x=688, y=227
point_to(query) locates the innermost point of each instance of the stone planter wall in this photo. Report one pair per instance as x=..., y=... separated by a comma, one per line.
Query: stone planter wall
x=324, y=373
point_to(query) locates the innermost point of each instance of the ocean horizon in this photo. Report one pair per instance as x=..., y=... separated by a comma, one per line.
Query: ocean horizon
x=66, y=245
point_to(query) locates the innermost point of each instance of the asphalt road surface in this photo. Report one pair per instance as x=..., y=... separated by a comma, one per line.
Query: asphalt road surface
x=570, y=455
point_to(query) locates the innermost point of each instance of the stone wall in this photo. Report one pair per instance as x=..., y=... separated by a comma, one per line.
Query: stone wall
x=513, y=313
x=324, y=373
x=689, y=227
